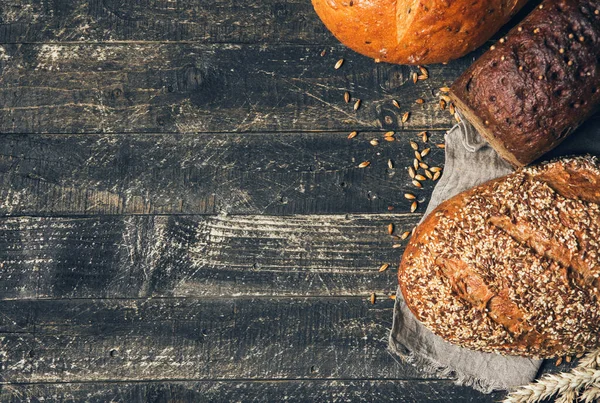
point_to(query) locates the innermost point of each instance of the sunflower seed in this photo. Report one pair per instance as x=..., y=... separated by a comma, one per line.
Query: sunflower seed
x=425, y=152
x=405, y=117
x=414, y=145
x=405, y=235
x=346, y=96
x=384, y=267
x=419, y=177
x=435, y=169
x=418, y=156
x=364, y=164
x=390, y=164
x=417, y=183
x=395, y=103
x=428, y=174
x=436, y=176
x=423, y=165
x=374, y=142
x=357, y=104
x=352, y=135
x=390, y=228
x=338, y=64
x=410, y=196
x=413, y=207
x=420, y=101
x=411, y=172
x=373, y=298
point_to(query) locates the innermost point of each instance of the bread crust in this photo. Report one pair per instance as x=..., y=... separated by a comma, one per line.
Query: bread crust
x=512, y=266
x=531, y=90
x=414, y=31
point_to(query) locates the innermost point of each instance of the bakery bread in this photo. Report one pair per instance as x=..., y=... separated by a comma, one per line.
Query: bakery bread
x=536, y=85
x=414, y=31
x=512, y=266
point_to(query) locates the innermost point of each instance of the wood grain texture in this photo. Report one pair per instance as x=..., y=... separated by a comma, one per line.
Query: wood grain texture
x=171, y=88
x=213, y=21
x=190, y=339
x=187, y=256
x=250, y=391
x=288, y=173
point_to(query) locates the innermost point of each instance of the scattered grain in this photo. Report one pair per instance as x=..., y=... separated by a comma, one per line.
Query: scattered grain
x=441, y=145
x=419, y=177
x=338, y=64
x=374, y=142
x=413, y=207
x=428, y=174
x=364, y=164
x=384, y=267
x=436, y=176
x=417, y=183
x=346, y=97
x=357, y=104
x=420, y=101
x=411, y=172
x=423, y=165
x=373, y=298
x=415, y=77
x=390, y=164
x=435, y=169
x=405, y=117
x=405, y=235
x=352, y=134
x=410, y=196
x=395, y=103
x=414, y=145
x=390, y=228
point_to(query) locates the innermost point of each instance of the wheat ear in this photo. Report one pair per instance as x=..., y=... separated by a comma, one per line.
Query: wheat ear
x=566, y=384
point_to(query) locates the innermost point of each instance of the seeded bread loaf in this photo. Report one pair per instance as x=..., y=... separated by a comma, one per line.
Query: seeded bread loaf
x=414, y=31
x=512, y=266
x=536, y=85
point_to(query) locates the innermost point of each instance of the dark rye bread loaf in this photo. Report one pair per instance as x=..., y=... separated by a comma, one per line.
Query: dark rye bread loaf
x=536, y=85
x=512, y=266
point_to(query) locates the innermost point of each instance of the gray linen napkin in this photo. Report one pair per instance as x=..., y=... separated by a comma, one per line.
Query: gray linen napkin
x=469, y=162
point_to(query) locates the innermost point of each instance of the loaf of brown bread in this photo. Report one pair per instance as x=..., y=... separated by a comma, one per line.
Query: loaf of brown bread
x=512, y=266
x=532, y=88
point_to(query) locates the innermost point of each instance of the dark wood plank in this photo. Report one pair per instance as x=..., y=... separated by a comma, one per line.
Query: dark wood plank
x=219, y=173
x=250, y=391
x=213, y=21
x=211, y=256
x=168, y=88
x=191, y=339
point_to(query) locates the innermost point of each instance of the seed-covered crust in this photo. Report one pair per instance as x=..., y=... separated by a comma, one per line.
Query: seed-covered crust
x=537, y=84
x=512, y=266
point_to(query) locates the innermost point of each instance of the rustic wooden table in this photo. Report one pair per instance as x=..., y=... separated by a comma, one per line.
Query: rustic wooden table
x=183, y=218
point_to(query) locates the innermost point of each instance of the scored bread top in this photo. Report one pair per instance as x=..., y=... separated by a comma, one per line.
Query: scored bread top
x=414, y=31
x=512, y=266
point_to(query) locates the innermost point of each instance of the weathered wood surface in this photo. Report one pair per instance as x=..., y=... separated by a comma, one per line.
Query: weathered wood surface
x=245, y=391
x=213, y=21
x=188, y=339
x=281, y=173
x=168, y=88
x=191, y=256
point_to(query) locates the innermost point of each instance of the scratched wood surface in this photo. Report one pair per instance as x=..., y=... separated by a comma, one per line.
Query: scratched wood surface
x=182, y=216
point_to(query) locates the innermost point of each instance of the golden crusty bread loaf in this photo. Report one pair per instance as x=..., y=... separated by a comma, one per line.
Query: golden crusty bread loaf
x=512, y=266
x=414, y=31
